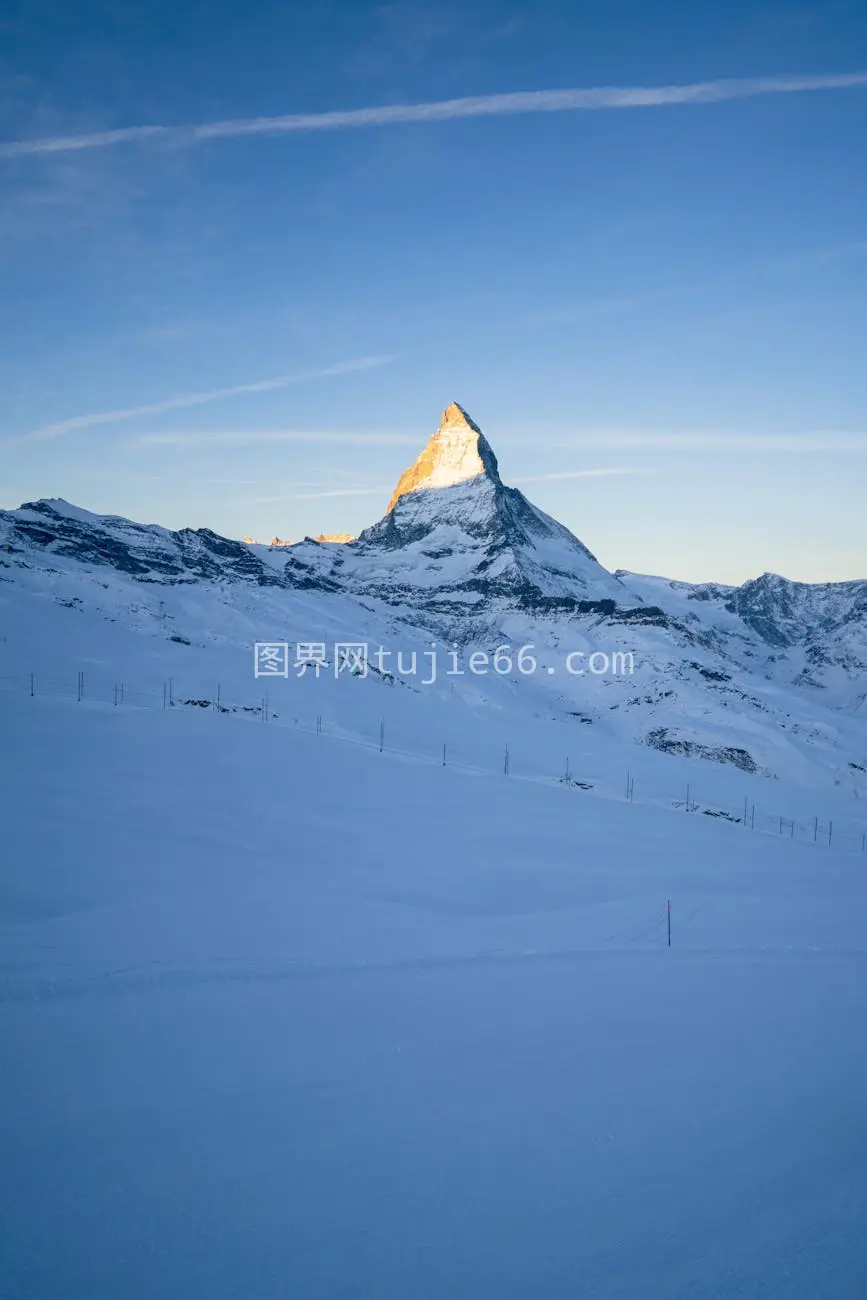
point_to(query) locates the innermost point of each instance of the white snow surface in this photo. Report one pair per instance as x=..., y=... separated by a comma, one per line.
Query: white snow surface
x=287, y=1016
x=350, y=987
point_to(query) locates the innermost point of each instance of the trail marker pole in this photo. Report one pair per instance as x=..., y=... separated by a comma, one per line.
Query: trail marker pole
x=381, y=735
x=80, y=686
x=444, y=755
x=815, y=829
x=669, y=923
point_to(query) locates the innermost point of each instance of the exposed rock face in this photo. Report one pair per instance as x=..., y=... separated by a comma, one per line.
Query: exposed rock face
x=735, y=675
x=146, y=552
x=456, y=452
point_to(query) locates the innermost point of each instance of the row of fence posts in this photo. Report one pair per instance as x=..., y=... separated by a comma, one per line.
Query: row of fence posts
x=749, y=817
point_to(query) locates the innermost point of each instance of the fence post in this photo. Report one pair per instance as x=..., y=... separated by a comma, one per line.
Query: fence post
x=80, y=685
x=687, y=799
x=32, y=686
x=444, y=755
x=669, y=923
x=745, y=812
x=506, y=762
x=568, y=774
x=381, y=734
x=815, y=829
x=830, y=829
x=171, y=694
x=753, y=821
x=164, y=696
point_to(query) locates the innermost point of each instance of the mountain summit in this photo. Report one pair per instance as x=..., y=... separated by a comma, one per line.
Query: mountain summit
x=456, y=452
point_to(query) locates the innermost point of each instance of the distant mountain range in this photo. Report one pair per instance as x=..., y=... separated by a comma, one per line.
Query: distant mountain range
x=736, y=674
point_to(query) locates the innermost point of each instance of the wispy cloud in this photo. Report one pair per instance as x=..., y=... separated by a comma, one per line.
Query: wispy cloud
x=378, y=489
x=59, y=428
x=701, y=441
x=615, y=439
x=331, y=492
x=583, y=473
x=520, y=102
x=244, y=437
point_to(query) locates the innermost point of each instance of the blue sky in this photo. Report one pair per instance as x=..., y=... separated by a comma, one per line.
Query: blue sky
x=656, y=311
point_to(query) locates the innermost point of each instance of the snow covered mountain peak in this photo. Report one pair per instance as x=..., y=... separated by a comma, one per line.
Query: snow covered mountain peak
x=458, y=451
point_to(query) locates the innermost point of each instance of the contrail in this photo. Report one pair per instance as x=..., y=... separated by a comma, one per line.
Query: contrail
x=61, y=427
x=582, y=473
x=529, y=101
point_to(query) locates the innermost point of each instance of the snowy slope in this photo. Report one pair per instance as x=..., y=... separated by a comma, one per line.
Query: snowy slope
x=812, y=636
x=356, y=986
x=434, y=1046
x=460, y=558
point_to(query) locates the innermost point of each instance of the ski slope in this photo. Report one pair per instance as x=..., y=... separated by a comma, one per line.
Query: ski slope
x=285, y=1016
